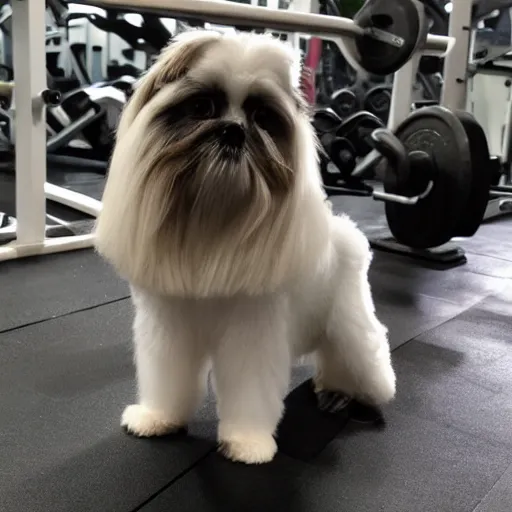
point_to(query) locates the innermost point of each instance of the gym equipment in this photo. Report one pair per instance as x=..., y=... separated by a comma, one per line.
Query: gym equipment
x=6, y=74
x=227, y=13
x=430, y=174
x=80, y=124
x=325, y=120
x=439, y=25
x=335, y=73
x=358, y=129
x=436, y=182
x=488, y=97
x=483, y=87
x=378, y=101
x=6, y=92
x=344, y=142
x=80, y=129
x=29, y=68
x=436, y=168
x=393, y=32
x=82, y=115
x=150, y=37
x=344, y=102
x=481, y=177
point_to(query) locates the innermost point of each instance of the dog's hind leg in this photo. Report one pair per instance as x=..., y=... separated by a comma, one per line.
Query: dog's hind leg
x=171, y=369
x=251, y=369
x=354, y=358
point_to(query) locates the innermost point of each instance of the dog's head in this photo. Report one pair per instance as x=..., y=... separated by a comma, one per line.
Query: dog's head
x=212, y=151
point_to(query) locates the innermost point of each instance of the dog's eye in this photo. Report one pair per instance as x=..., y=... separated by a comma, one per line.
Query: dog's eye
x=265, y=118
x=202, y=107
x=263, y=115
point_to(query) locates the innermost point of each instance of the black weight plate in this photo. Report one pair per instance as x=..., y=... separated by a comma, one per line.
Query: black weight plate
x=358, y=129
x=343, y=155
x=378, y=101
x=481, y=171
x=401, y=19
x=432, y=221
x=325, y=120
x=344, y=102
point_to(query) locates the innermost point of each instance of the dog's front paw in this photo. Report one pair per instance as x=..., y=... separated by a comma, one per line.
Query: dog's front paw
x=249, y=448
x=143, y=422
x=380, y=389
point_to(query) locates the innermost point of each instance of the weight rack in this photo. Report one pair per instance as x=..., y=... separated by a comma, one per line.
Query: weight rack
x=32, y=190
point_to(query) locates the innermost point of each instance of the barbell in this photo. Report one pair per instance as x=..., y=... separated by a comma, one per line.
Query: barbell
x=437, y=174
x=381, y=39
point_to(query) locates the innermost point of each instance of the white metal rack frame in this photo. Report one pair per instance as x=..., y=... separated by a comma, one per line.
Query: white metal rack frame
x=32, y=190
x=30, y=80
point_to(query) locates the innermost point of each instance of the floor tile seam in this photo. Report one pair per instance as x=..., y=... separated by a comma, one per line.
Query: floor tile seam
x=178, y=477
x=491, y=489
x=63, y=315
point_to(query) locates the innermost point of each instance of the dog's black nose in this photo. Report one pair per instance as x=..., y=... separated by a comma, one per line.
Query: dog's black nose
x=233, y=135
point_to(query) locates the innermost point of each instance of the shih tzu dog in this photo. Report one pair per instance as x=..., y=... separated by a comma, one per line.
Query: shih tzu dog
x=215, y=213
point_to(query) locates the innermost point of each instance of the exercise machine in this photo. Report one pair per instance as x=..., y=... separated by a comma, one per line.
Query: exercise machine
x=358, y=40
x=425, y=213
x=489, y=94
x=81, y=119
x=348, y=91
x=32, y=190
x=483, y=87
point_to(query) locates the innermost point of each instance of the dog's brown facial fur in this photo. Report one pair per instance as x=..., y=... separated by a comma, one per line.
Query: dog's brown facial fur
x=203, y=188
x=207, y=205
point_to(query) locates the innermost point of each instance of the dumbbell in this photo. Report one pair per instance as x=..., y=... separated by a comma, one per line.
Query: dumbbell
x=378, y=101
x=343, y=155
x=344, y=142
x=344, y=102
x=325, y=120
x=337, y=150
x=358, y=129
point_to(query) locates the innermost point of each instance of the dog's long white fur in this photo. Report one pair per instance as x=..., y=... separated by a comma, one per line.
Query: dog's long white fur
x=245, y=311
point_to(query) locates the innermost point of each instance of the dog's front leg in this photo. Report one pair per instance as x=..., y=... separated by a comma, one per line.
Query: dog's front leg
x=252, y=371
x=170, y=364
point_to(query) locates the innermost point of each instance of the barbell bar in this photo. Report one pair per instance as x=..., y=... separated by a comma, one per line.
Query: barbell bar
x=229, y=13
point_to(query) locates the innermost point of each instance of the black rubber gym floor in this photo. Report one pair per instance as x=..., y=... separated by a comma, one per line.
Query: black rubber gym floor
x=66, y=374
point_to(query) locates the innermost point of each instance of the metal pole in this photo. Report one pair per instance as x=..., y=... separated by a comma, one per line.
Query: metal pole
x=29, y=60
x=455, y=85
x=229, y=13
x=402, y=95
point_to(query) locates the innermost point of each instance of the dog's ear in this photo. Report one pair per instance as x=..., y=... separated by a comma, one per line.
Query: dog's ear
x=173, y=63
